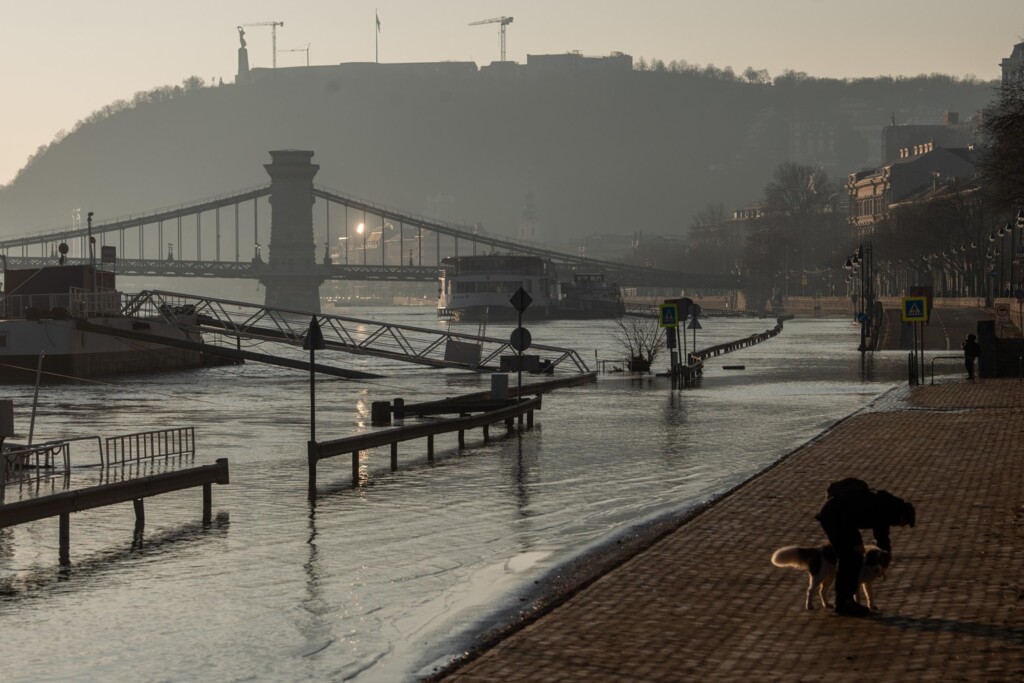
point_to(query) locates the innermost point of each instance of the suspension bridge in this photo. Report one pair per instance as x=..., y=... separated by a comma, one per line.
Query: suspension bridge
x=225, y=236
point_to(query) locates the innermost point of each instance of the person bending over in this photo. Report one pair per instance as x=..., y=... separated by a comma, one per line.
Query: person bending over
x=850, y=507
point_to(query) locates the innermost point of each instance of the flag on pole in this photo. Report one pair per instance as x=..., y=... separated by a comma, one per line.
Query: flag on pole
x=378, y=20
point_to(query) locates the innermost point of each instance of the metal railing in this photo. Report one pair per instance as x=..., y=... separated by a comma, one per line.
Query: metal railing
x=35, y=462
x=160, y=443
x=227, y=322
x=77, y=303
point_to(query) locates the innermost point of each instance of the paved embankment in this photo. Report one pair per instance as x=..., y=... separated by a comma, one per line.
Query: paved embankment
x=704, y=603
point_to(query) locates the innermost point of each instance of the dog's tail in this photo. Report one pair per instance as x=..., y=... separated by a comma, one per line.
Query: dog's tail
x=793, y=556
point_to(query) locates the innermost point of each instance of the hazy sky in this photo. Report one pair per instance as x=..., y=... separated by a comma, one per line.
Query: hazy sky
x=63, y=59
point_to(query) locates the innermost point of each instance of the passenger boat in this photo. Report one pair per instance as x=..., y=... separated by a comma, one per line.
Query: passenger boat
x=479, y=288
x=46, y=318
x=591, y=296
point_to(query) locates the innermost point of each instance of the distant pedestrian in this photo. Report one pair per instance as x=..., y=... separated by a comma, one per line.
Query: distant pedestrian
x=971, y=351
x=852, y=506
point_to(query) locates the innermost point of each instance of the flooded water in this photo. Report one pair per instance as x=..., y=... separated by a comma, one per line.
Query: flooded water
x=389, y=580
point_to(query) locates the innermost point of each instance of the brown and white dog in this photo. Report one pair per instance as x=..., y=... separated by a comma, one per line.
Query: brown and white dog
x=820, y=564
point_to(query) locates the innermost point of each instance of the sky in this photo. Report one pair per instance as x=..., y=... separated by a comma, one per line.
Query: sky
x=63, y=59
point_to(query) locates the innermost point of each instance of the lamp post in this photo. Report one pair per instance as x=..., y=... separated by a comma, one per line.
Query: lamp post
x=862, y=264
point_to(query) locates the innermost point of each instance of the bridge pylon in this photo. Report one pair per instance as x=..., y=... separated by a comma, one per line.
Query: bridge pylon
x=289, y=274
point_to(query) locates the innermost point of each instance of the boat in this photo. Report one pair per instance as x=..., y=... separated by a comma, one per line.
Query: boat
x=479, y=288
x=48, y=317
x=589, y=295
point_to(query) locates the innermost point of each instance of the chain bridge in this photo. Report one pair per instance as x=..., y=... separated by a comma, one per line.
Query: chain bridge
x=271, y=233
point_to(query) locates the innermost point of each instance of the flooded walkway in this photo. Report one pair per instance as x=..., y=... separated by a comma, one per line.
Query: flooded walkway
x=705, y=604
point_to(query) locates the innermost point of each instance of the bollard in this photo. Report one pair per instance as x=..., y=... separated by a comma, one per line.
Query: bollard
x=64, y=556
x=430, y=448
x=394, y=456
x=207, y=503
x=399, y=408
x=140, y=513
x=380, y=413
x=499, y=387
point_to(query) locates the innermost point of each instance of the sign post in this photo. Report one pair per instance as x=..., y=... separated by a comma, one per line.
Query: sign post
x=914, y=309
x=520, y=301
x=668, y=319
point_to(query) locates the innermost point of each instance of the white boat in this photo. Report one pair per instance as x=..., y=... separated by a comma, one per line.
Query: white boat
x=44, y=313
x=479, y=288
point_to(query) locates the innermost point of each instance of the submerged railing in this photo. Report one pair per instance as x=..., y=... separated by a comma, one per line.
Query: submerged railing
x=160, y=443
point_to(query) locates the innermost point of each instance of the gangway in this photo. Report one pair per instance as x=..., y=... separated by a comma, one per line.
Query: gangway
x=229, y=322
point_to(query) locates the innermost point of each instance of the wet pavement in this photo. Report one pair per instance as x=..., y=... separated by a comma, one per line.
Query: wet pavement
x=704, y=603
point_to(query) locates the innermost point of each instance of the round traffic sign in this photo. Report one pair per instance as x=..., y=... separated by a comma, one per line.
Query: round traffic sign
x=520, y=339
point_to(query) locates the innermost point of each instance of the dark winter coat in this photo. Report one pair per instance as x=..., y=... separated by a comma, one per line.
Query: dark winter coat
x=867, y=509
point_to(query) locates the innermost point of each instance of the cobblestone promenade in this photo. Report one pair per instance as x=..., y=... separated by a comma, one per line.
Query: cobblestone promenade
x=705, y=604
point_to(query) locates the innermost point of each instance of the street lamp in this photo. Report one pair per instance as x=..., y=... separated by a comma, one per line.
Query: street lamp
x=361, y=230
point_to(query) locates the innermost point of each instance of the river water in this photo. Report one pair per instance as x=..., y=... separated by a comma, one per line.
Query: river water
x=390, y=580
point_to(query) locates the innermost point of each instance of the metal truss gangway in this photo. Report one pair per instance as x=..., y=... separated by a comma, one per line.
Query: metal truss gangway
x=228, y=323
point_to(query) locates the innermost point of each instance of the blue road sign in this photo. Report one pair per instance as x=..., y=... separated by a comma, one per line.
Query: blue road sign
x=914, y=309
x=668, y=315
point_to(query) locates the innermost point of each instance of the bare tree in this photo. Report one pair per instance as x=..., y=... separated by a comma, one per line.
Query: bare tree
x=1002, y=166
x=641, y=338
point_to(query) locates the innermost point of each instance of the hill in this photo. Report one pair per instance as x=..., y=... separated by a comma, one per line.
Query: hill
x=601, y=151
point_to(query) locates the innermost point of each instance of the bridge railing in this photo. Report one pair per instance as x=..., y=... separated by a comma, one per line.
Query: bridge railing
x=128, y=220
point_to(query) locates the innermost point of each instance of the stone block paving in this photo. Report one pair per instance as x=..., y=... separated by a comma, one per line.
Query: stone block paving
x=705, y=604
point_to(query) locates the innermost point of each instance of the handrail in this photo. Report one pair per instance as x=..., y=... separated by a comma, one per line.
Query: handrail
x=384, y=437
x=176, y=441
x=942, y=358
x=317, y=451
x=66, y=502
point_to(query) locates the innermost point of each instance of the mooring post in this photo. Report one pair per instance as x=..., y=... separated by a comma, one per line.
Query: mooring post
x=430, y=448
x=65, y=539
x=487, y=432
x=140, y=513
x=394, y=456
x=399, y=408
x=510, y=425
x=529, y=420
x=355, y=468
x=207, y=502
x=462, y=438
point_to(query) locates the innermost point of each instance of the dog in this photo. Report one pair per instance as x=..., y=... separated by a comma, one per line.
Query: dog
x=820, y=564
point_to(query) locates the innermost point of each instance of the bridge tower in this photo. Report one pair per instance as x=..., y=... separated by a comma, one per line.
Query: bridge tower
x=290, y=273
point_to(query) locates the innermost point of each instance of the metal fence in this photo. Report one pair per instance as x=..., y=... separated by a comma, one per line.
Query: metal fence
x=161, y=443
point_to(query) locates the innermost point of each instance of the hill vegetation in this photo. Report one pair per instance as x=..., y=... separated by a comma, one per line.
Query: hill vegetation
x=640, y=151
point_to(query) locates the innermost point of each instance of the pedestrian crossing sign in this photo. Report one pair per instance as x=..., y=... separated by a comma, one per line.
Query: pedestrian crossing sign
x=668, y=315
x=915, y=309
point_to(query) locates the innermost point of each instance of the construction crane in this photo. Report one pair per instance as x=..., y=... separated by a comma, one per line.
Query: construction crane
x=273, y=36
x=301, y=49
x=504, y=21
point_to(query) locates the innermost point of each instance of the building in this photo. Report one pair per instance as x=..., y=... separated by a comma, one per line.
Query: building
x=1013, y=66
x=951, y=133
x=872, y=193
